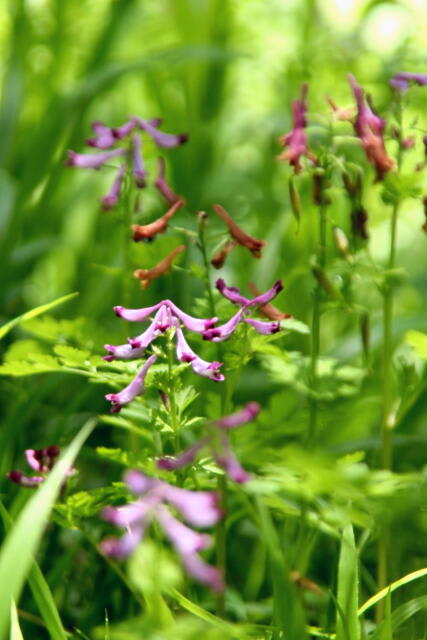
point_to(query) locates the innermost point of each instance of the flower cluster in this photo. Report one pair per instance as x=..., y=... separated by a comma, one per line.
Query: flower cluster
x=42, y=461
x=167, y=316
x=197, y=508
x=128, y=138
x=218, y=443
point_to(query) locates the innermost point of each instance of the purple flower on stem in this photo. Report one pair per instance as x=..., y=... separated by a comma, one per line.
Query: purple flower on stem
x=139, y=172
x=91, y=160
x=162, y=139
x=295, y=142
x=218, y=443
x=135, y=388
x=42, y=461
x=197, y=508
x=403, y=79
x=111, y=199
x=104, y=139
x=201, y=367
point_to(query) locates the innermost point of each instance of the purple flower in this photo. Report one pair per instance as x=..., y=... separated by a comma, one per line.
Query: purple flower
x=223, y=332
x=162, y=139
x=295, y=142
x=104, y=136
x=402, y=80
x=219, y=445
x=198, y=508
x=139, y=172
x=201, y=367
x=369, y=127
x=111, y=199
x=135, y=388
x=91, y=160
x=42, y=461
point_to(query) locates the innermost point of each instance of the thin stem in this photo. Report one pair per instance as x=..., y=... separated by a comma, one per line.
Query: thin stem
x=386, y=423
x=315, y=324
x=171, y=389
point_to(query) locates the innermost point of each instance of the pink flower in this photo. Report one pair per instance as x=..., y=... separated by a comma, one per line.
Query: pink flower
x=295, y=142
x=42, y=461
x=111, y=199
x=92, y=161
x=403, y=79
x=369, y=127
x=135, y=388
x=197, y=508
x=218, y=443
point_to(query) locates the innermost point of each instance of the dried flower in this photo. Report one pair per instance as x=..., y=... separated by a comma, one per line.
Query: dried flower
x=147, y=275
x=220, y=257
x=197, y=508
x=218, y=443
x=403, y=79
x=369, y=127
x=149, y=231
x=255, y=246
x=295, y=142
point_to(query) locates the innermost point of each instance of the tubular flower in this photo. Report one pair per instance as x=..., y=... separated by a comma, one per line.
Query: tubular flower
x=155, y=499
x=369, y=127
x=149, y=231
x=40, y=460
x=219, y=445
x=220, y=333
x=268, y=310
x=107, y=137
x=162, y=186
x=147, y=275
x=135, y=388
x=295, y=142
x=220, y=257
x=403, y=79
x=255, y=246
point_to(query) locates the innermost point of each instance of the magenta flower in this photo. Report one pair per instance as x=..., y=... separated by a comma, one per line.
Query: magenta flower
x=107, y=137
x=135, y=388
x=197, y=508
x=219, y=445
x=162, y=185
x=223, y=332
x=295, y=142
x=369, y=127
x=40, y=460
x=403, y=79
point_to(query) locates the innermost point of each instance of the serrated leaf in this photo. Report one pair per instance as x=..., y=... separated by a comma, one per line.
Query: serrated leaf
x=71, y=356
x=39, y=363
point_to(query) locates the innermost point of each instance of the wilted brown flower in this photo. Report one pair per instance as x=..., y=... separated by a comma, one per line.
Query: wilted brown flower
x=148, y=231
x=220, y=257
x=255, y=246
x=147, y=275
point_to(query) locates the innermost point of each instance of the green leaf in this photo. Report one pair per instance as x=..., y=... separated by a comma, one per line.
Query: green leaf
x=348, y=627
x=20, y=545
x=28, y=315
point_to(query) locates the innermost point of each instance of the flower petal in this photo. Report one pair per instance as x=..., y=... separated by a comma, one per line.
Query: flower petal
x=231, y=293
x=91, y=160
x=198, y=508
x=111, y=199
x=135, y=388
x=224, y=331
x=184, y=539
x=122, y=547
x=139, y=172
x=136, y=315
x=162, y=139
x=266, y=328
x=203, y=572
x=201, y=367
x=198, y=325
x=248, y=413
x=187, y=456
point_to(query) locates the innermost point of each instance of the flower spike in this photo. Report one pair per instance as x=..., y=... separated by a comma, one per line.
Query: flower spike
x=295, y=142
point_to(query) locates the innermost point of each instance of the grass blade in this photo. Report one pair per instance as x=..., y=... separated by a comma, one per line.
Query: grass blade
x=41, y=592
x=16, y=555
x=420, y=573
x=348, y=627
x=15, y=629
x=28, y=315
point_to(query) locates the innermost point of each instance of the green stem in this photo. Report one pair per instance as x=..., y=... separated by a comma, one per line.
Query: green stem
x=386, y=422
x=171, y=391
x=315, y=324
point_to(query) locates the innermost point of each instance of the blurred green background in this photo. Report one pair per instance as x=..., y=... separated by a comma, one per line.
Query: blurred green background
x=225, y=72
